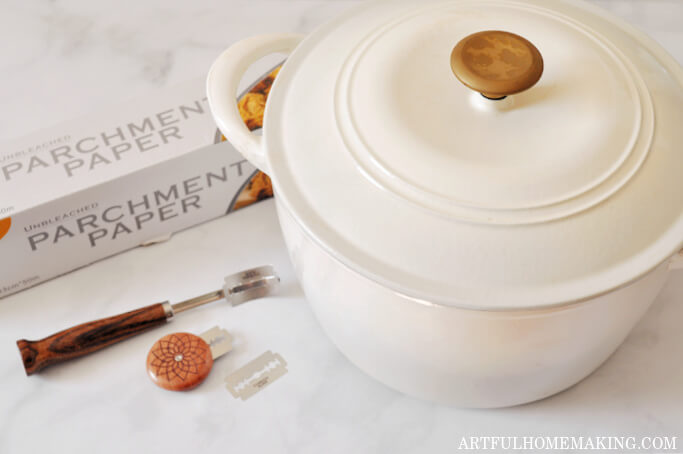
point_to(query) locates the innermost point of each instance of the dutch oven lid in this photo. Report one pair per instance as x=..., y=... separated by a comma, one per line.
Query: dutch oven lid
x=387, y=143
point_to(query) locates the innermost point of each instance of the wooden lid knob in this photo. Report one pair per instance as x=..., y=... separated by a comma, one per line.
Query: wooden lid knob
x=179, y=361
x=496, y=63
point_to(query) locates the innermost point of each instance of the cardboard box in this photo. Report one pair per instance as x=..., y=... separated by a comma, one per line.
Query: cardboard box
x=129, y=176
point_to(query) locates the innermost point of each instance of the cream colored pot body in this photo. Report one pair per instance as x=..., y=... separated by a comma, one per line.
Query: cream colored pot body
x=463, y=357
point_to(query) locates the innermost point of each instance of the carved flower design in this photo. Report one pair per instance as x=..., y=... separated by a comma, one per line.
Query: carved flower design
x=179, y=361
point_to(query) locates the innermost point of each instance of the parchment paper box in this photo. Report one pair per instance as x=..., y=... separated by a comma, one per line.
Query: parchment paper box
x=90, y=188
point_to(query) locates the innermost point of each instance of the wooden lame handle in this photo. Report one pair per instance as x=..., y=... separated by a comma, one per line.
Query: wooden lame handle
x=90, y=337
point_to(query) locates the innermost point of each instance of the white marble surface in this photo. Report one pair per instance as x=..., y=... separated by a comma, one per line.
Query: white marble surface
x=62, y=58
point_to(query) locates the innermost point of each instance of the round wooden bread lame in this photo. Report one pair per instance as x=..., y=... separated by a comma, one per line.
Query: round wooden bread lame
x=182, y=361
x=179, y=361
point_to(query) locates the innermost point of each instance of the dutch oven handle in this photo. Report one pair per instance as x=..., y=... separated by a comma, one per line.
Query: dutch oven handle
x=222, y=84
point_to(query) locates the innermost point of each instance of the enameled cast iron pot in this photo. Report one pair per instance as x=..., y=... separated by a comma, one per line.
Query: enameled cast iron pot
x=475, y=250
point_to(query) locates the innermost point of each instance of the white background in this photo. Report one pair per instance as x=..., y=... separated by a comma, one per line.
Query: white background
x=60, y=59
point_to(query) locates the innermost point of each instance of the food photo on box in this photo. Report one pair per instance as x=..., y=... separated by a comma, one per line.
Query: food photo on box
x=458, y=226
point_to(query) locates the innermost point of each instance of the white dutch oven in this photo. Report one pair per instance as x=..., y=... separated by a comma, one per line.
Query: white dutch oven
x=467, y=250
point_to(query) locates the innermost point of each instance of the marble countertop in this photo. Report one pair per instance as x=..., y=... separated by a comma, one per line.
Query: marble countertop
x=63, y=58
